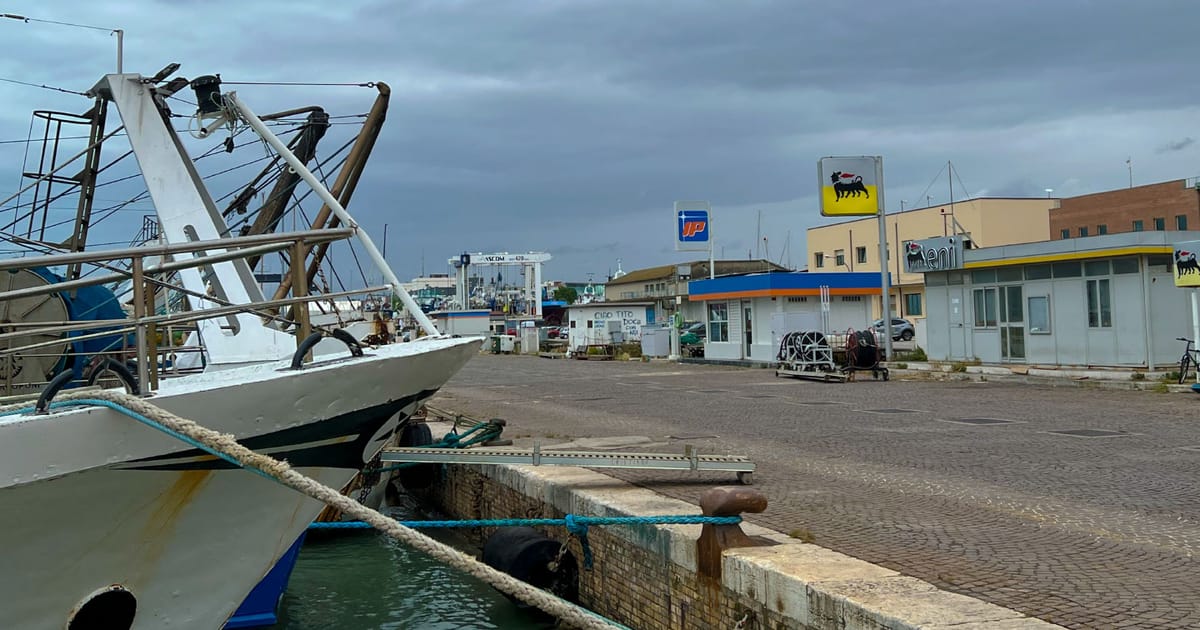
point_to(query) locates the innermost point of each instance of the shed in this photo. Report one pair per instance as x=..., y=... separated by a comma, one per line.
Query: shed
x=607, y=322
x=747, y=315
x=1095, y=301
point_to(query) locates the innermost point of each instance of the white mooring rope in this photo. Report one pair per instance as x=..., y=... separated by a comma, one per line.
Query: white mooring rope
x=568, y=613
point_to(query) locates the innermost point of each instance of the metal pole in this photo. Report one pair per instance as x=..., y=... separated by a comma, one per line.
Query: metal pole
x=1196, y=321
x=886, y=309
x=337, y=209
x=139, y=313
x=120, y=50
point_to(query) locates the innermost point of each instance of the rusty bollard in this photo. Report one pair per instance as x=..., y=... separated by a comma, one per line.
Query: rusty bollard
x=726, y=501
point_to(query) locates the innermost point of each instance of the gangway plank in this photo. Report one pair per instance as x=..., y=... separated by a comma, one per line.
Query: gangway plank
x=689, y=460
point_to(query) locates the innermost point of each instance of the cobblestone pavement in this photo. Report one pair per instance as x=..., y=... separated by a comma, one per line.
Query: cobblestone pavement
x=1087, y=532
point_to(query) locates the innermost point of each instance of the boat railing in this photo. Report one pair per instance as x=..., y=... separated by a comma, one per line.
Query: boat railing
x=158, y=338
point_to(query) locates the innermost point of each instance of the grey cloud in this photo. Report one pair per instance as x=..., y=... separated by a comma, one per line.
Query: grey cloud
x=1176, y=145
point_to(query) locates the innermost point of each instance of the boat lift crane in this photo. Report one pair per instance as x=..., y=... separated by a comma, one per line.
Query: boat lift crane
x=530, y=260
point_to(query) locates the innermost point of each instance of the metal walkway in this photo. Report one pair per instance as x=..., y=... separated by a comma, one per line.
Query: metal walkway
x=689, y=460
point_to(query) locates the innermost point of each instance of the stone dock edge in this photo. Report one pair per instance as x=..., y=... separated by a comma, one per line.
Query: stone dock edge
x=808, y=585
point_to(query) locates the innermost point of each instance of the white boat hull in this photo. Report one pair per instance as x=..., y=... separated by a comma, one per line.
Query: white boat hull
x=92, y=498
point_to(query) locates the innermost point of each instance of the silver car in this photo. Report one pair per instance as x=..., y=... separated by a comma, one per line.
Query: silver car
x=902, y=329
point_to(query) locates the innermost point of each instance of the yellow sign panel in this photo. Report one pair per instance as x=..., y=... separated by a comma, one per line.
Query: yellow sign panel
x=850, y=185
x=1187, y=270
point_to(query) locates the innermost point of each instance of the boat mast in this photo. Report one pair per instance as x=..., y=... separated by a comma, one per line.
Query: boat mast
x=186, y=213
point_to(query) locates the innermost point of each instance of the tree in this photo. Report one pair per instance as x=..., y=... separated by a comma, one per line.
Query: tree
x=566, y=294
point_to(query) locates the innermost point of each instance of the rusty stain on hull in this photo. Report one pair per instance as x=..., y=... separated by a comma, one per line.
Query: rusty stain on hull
x=157, y=531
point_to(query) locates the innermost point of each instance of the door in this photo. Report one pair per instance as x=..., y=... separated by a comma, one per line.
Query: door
x=1012, y=324
x=747, y=330
x=957, y=313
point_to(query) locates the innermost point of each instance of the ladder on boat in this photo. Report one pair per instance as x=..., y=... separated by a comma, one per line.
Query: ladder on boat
x=689, y=460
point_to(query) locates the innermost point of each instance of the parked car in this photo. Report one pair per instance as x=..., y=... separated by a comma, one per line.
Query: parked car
x=695, y=328
x=902, y=329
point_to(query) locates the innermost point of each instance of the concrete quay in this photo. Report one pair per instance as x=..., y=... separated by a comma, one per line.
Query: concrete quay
x=1071, y=505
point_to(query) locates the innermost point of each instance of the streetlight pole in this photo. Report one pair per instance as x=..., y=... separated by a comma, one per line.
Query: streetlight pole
x=120, y=33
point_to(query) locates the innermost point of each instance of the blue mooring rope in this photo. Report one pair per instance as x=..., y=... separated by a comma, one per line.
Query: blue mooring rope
x=576, y=525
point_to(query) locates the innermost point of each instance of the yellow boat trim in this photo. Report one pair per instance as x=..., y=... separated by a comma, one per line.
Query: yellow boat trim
x=1098, y=253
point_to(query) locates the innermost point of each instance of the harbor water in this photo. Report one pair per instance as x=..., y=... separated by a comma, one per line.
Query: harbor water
x=362, y=580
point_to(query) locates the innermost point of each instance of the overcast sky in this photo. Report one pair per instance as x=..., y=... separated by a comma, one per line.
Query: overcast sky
x=571, y=126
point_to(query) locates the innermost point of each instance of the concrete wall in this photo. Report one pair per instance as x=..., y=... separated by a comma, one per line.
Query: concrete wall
x=646, y=577
x=1118, y=209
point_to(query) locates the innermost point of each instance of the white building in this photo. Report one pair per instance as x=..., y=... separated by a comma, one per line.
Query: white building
x=1096, y=301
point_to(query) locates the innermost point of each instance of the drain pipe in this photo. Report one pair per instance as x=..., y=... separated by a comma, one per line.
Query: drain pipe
x=327, y=197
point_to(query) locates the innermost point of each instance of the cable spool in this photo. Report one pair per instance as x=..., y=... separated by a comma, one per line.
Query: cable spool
x=812, y=346
x=38, y=365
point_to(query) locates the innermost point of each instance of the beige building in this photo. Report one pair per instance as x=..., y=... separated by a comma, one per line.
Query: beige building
x=854, y=245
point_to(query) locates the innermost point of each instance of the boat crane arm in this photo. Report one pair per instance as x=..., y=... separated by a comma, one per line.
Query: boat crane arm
x=373, y=252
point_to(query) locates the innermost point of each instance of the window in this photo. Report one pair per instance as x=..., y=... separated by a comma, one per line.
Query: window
x=912, y=303
x=985, y=307
x=839, y=257
x=1065, y=233
x=797, y=299
x=1181, y=222
x=1160, y=223
x=1099, y=304
x=1137, y=226
x=1083, y=231
x=1039, y=315
x=1102, y=229
x=819, y=259
x=851, y=298
x=718, y=321
x=1037, y=272
x=1071, y=269
x=1096, y=268
x=1128, y=264
x=1008, y=274
x=982, y=276
x=860, y=254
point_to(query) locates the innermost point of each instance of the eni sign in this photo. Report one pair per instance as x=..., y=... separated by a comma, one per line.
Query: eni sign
x=933, y=254
x=850, y=186
x=1187, y=270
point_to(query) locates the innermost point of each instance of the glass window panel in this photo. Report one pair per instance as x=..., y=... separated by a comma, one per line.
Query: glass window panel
x=979, y=314
x=1160, y=223
x=935, y=279
x=1092, y=305
x=1069, y=269
x=1037, y=272
x=955, y=277
x=1125, y=265
x=1065, y=233
x=1083, y=231
x=1008, y=274
x=1138, y=225
x=1181, y=222
x=1102, y=229
x=983, y=276
x=1039, y=315
x=1014, y=313
x=1105, y=304
x=990, y=300
x=912, y=303
x=1016, y=342
x=1096, y=268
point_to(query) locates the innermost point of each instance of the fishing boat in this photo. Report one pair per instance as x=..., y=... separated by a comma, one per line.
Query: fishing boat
x=113, y=525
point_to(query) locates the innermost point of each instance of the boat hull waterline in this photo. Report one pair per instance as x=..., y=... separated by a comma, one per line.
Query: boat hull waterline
x=93, y=498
